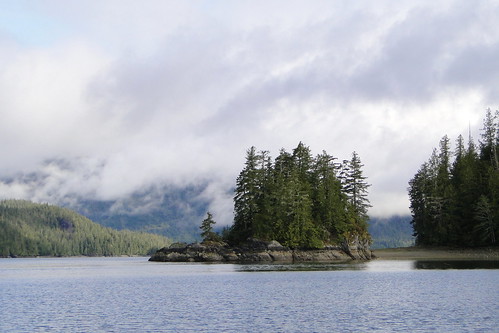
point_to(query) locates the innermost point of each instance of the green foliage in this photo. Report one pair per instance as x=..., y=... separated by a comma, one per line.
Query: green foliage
x=458, y=203
x=485, y=218
x=207, y=229
x=355, y=186
x=30, y=229
x=299, y=200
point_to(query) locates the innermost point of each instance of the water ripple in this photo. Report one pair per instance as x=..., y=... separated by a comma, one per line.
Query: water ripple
x=131, y=295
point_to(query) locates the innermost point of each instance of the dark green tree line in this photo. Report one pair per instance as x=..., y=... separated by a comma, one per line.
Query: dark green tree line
x=456, y=202
x=299, y=200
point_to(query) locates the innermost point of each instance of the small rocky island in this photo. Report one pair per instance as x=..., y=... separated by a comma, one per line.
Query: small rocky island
x=256, y=251
x=296, y=208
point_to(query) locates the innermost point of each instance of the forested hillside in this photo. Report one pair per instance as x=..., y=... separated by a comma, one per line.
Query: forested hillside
x=299, y=200
x=30, y=229
x=455, y=195
x=395, y=231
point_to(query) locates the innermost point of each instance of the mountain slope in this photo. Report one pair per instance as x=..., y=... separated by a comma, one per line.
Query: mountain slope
x=175, y=213
x=395, y=231
x=30, y=229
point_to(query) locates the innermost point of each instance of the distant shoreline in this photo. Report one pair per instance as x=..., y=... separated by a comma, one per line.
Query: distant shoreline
x=429, y=253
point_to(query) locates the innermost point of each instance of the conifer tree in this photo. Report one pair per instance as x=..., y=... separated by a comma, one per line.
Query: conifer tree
x=298, y=200
x=418, y=194
x=262, y=221
x=207, y=228
x=485, y=228
x=488, y=144
x=356, y=187
x=458, y=203
x=329, y=200
x=245, y=198
x=281, y=196
x=302, y=160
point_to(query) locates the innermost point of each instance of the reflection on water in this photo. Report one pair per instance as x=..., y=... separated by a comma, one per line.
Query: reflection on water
x=372, y=266
x=305, y=267
x=456, y=264
x=140, y=267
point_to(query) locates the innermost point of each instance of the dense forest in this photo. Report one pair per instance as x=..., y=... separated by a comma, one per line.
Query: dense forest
x=299, y=200
x=30, y=229
x=455, y=195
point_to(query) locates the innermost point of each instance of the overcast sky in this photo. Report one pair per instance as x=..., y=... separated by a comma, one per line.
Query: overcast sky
x=132, y=93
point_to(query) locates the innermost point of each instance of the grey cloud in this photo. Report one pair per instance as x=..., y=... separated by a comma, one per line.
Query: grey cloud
x=476, y=67
x=414, y=57
x=183, y=106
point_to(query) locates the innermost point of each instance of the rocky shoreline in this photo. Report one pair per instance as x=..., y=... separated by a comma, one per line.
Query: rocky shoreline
x=259, y=251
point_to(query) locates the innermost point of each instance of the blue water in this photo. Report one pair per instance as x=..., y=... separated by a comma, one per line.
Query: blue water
x=134, y=295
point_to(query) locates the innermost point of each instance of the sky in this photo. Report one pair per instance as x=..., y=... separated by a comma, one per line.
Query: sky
x=106, y=98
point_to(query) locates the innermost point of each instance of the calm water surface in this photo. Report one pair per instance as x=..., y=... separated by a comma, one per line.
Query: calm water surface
x=134, y=295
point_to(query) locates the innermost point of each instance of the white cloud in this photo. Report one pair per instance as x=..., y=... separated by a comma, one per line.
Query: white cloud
x=175, y=92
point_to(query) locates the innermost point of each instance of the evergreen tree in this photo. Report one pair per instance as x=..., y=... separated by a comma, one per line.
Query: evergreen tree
x=262, y=222
x=488, y=144
x=418, y=194
x=460, y=150
x=486, y=226
x=443, y=193
x=302, y=160
x=303, y=231
x=246, y=198
x=458, y=203
x=356, y=187
x=298, y=200
x=329, y=200
x=207, y=228
x=281, y=196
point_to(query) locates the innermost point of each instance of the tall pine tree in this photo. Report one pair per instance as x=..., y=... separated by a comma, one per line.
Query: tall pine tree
x=356, y=187
x=246, y=198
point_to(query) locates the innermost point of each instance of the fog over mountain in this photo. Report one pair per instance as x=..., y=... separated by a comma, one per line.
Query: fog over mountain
x=108, y=100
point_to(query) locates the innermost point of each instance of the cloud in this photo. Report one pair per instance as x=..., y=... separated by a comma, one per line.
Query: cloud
x=174, y=93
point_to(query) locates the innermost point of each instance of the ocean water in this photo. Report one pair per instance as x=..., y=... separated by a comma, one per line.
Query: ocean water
x=134, y=295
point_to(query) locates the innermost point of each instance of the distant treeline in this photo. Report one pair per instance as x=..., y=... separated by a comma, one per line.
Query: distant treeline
x=299, y=200
x=390, y=232
x=455, y=201
x=30, y=229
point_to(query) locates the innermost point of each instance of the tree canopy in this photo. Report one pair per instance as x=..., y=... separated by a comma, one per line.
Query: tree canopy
x=299, y=200
x=456, y=202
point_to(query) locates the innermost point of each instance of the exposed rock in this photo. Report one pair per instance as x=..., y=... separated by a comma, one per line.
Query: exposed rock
x=320, y=255
x=255, y=250
x=283, y=255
